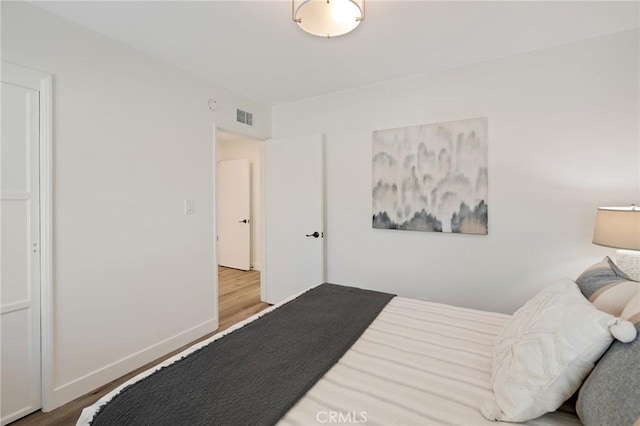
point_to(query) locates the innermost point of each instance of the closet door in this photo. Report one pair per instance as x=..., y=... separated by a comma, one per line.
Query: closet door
x=20, y=254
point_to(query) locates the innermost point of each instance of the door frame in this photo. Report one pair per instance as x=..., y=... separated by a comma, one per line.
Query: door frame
x=43, y=83
x=216, y=307
x=263, y=218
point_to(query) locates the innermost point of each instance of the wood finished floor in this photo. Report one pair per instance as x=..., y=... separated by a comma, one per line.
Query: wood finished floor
x=239, y=298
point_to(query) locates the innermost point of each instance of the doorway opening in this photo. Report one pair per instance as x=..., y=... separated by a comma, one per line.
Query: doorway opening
x=238, y=226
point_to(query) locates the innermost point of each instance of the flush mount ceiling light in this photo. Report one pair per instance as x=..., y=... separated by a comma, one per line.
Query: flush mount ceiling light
x=327, y=18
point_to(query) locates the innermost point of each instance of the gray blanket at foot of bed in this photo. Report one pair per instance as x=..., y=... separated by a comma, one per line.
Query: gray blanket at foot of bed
x=254, y=375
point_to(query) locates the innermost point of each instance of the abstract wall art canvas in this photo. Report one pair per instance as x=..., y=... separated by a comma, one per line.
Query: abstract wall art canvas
x=432, y=177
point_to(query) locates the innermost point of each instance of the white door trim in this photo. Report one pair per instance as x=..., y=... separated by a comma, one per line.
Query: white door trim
x=263, y=218
x=42, y=82
x=216, y=301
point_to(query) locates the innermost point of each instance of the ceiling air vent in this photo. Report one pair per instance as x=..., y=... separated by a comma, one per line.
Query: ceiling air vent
x=244, y=117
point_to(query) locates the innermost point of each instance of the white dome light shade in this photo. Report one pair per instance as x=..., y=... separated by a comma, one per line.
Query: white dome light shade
x=328, y=18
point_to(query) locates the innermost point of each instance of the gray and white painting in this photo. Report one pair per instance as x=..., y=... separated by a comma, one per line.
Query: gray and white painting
x=431, y=177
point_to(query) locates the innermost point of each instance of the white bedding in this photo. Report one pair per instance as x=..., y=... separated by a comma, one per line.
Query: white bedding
x=418, y=363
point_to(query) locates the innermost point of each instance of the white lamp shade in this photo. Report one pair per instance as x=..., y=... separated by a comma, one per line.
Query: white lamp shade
x=328, y=18
x=618, y=227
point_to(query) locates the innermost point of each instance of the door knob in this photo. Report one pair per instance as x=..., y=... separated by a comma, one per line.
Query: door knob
x=244, y=221
x=314, y=235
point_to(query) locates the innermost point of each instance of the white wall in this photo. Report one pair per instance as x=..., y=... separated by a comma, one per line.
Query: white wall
x=133, y=275
x=246, y=148
x=563, y=139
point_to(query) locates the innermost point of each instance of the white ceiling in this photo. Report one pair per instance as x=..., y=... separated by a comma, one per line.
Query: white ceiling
x=253, y=47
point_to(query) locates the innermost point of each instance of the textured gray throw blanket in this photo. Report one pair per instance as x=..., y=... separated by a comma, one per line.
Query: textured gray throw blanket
x=254, y=375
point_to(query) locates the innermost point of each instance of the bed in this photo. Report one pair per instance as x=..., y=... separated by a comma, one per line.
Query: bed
x=418, y=363
x=415, y=362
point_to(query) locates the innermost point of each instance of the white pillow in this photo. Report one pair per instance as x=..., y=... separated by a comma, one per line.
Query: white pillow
x=546, y=350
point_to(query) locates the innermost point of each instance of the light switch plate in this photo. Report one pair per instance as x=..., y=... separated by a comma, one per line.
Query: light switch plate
x=189, y=206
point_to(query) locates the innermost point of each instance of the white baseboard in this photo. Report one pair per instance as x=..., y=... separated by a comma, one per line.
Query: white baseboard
x=255, y=266
x=87, y=383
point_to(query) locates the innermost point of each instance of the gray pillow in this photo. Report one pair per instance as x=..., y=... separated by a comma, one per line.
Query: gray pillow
x=611, y=394
x=607, y=287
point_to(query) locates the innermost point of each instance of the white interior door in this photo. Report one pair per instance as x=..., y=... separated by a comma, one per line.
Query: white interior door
x=20, y=253
x=234, y=214
x=293, y=247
